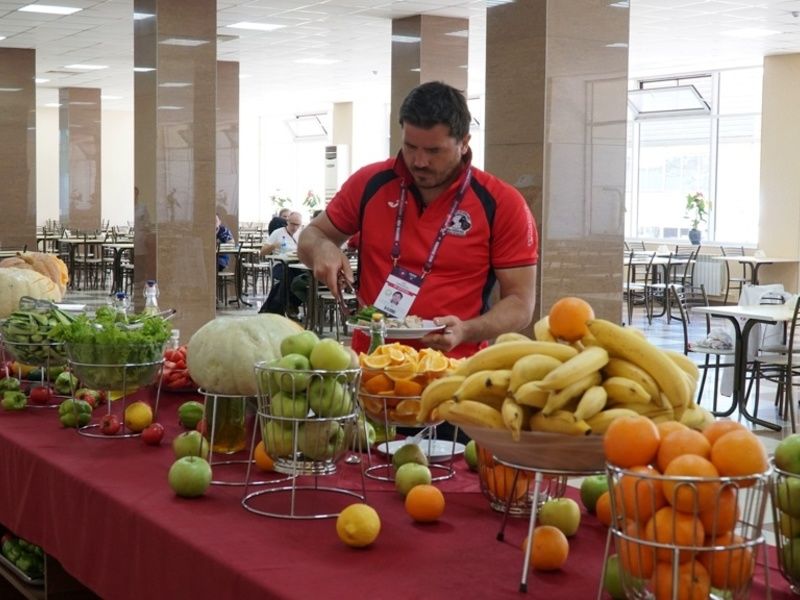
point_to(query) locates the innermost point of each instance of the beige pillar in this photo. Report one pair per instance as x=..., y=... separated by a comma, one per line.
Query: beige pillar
x=18, y=150
x=175, y=156
x=779, y=207
x=425, y=49
x=79, y=166
x=227, y=204
x=555, y=128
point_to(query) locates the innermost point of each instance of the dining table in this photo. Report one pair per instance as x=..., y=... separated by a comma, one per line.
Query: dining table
x=103, y=508
x=744, y=318
x=756, y=262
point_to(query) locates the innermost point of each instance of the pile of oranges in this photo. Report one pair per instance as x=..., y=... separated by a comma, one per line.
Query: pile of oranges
x=671, y=492
x=393, y=377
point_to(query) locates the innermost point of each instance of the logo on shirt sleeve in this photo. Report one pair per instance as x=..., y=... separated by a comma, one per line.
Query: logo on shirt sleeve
x=460, y=224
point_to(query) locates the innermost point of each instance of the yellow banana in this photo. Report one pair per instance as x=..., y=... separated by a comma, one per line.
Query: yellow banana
x=513, y=416
x=541, y=330
x=650, y=410
x=619, y=367
x=696, y=417
x=503, y=356
x=469, y=412
x=511, y=336
x=561, y=421
x=600, y=422
x=592, y=402
x=622, y=390
x=436, y=392
x=629, y=345
x=558, y=400
x=533, y=367
x=686, y=364
x=585, y=363
x=530, y=394
x=484, y=384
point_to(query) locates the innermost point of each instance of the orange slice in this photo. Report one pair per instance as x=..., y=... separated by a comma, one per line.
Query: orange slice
x=434, y=362
x=375, y=361
x=406, y=370
x=379, y=383
x=407, y=407
x=407, y=387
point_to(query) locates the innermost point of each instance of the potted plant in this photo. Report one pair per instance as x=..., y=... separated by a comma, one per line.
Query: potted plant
x=697, y=208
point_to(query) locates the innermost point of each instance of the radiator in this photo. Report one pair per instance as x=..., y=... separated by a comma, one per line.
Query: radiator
x=711, y=274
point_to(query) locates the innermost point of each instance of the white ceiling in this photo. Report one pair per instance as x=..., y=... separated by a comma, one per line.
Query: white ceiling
x=667, y=36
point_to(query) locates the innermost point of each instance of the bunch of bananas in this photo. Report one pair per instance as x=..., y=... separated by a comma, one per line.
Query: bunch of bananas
x=578, y=389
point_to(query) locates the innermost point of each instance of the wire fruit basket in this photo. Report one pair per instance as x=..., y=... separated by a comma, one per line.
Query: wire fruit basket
x=786, y=513
x=679, y=537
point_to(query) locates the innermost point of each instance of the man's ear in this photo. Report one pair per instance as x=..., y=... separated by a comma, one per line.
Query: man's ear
x=465, y=144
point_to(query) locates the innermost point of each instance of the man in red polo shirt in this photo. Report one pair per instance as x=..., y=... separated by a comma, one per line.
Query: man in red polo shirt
x=434, y=228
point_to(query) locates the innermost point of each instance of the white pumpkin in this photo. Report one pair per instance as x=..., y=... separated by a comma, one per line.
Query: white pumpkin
x=222, y=353
x=16, y=283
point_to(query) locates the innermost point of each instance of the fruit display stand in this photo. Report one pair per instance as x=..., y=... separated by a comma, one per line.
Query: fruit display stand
x=308, y=420
x=785, y=491
x=550, y=458
x=120, y=380
x=42, y=355
x=705, y=537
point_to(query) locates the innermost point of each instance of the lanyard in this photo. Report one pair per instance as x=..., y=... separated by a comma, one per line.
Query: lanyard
x=401, y=211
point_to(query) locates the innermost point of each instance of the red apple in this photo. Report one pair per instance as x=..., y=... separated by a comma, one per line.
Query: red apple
x=153, y=434
x=109, y=424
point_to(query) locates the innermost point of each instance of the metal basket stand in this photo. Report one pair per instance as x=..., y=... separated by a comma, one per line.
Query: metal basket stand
x=750, y=495
x=48, y=354
x=785, y=491
x=93, y=428
x=297, y=453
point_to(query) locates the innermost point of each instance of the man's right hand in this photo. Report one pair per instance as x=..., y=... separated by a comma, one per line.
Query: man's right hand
x=320, y=248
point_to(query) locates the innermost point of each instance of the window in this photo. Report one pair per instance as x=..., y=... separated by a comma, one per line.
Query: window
x=674, y=150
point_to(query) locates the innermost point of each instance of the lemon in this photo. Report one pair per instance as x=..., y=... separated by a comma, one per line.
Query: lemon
x=138, y=415
x=358, y=525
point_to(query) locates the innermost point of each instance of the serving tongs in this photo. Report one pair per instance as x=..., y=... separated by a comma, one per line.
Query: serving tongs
x=342, y=286
x=138, y=324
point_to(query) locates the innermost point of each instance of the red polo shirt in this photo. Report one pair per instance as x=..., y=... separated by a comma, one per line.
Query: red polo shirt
x=492, y=229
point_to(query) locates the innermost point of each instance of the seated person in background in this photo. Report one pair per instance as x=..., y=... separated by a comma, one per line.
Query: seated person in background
x=224, y=236
x=282, y=241
x=278, y=220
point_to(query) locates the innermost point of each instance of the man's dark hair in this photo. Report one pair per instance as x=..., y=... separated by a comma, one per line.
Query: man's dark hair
x=435, y=103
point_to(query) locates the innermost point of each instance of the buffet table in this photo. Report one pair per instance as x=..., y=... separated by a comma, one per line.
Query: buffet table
x=104, y=510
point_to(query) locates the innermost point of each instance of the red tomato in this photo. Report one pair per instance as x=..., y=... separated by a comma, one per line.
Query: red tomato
x=110, y=424
x=41, y=395
x=169, y=364
x=180, y=363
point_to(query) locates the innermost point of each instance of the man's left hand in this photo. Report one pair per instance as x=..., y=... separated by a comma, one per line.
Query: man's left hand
x=449, y=337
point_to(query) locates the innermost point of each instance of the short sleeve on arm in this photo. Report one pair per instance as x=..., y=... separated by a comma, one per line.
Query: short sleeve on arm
x=344, y=208
x=515, y=239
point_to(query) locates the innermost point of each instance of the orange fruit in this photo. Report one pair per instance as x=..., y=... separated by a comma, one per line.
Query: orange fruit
x=550, y=548
x=263, y=460
x=666, y=427
x=719, y=428
x=568, y=317
x=721, y=518
x=669, y=526
x=499, y=479
x=730, y=568
x=739, y=453
x=635, y=558
x=602, y=508
x=425, y=503
x=375, y=361
x=378, y=384
x=641, y=493
x=682, y=441
x=433, y=361
x=685, y=494
x=407, y=387
x=631, y=441
x=693, y=581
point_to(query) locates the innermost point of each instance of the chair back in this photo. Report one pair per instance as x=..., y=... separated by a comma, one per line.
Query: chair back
x=791, y=335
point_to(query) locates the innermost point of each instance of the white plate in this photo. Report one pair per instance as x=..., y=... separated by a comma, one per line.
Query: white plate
x=436, y=450
x=406, y=333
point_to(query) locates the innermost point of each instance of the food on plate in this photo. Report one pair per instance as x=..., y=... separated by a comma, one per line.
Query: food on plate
x=364, y=317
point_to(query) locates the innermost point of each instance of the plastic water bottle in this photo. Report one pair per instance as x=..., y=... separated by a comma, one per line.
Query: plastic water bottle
x=151, y=297
x=122, y=305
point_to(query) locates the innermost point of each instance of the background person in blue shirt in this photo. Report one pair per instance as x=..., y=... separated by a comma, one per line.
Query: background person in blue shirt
x=224, y=236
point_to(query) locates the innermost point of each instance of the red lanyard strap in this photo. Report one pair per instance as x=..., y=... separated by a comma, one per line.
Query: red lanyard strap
x=401, y=211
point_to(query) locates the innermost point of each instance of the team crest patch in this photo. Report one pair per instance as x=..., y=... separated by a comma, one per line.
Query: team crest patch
x=460, y=224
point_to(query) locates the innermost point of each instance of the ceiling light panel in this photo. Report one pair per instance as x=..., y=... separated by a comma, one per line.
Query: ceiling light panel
x=49, y=9
x=255, y=26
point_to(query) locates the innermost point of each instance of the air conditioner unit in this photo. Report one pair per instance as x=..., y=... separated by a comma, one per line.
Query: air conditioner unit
x=337, y=168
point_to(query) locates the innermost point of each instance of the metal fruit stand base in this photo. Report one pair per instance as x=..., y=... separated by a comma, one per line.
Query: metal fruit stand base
x=44, y=355
x=785, y=491
x=303, y=444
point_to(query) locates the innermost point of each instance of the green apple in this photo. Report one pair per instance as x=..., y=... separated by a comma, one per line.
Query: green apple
x=366, y=433
x=329, y=398
x=287, y=406
x=471, y=455
x=189, y=476
x=299, y=343
x=278, y=440
x=787, y=454
x=330, y=355
x=190, y=443
x=612, y=580
x=296, y=380
x=592, y=488
x=562, y=513
x=789, y=526
x=790, y=557
x=408, y=453
x=410, y=475
x=322, y=440
x=788, y=495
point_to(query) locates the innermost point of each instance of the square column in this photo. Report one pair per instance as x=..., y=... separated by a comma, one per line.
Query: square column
x=79, y=167
x=18, y=154
x=425, y=48
x=228, y=145
x=175, y=90
x=556, y=97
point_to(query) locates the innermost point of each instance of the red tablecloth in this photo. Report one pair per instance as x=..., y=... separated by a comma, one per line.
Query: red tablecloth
x=104, y=509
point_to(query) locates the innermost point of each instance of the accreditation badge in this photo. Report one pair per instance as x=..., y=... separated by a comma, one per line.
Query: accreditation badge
x=398, y=293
